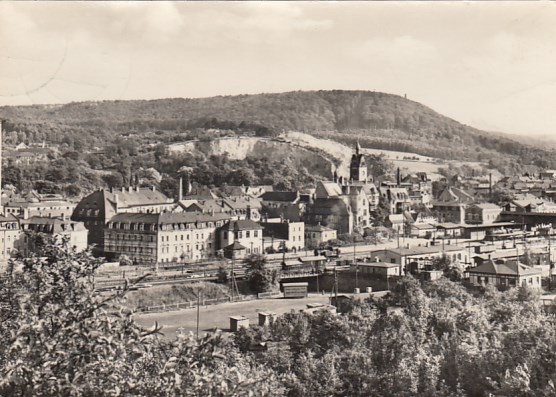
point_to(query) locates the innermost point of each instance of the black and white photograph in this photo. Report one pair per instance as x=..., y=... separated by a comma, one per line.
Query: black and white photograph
x=277, y=199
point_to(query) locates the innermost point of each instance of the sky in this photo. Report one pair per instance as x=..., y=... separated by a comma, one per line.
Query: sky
x=491, y=65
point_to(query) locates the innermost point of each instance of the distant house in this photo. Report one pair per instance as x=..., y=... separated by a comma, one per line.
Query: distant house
x=315, y=235
x=290, y=234
x=243, y=233
x=508, y=273
x=331, y=212
x=483, y=213
x=412, y=259
x=58, y=229
x=376, y=268
x=451, y=204
x=287, y=205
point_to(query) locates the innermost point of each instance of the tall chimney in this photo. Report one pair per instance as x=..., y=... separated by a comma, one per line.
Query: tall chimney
x=398, y=177
x=180, y=190
x=490, y=184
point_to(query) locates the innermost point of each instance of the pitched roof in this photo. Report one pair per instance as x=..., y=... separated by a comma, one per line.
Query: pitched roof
x=165, y=218
x=487, y=206
x=241, y=202
x=242, y=224
x=508, y=268
x=137, y=197
x=52, y=225
x=235, y=246
x=328, y=189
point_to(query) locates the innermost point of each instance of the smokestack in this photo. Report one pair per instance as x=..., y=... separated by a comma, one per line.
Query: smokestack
x=180, y=190
x=490, y=184
x=398, y=177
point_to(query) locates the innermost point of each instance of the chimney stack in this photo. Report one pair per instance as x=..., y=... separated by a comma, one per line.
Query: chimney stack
x=180, y=190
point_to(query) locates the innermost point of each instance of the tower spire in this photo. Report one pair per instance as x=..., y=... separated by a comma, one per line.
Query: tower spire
x=358, y=147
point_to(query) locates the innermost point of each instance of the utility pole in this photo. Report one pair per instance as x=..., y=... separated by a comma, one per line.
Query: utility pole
x=198, y=310
x=549, y=260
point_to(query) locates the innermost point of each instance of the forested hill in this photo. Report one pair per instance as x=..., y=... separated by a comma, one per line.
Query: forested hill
x=379, y=120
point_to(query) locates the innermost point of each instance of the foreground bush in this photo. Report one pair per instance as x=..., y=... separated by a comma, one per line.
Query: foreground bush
x=60, y=338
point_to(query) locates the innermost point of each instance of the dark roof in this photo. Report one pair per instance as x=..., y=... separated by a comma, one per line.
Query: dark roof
x=509, y=268
x=236, y=246
x=8, y=218
x=52, y=225
x=168, y=217
x=280, y=196
x=242, y=224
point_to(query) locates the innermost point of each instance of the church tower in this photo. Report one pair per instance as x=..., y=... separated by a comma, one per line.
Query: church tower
x=358, y=166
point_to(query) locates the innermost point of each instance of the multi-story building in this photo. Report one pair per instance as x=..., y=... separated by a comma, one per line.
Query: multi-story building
x=483, y=213
x=35, y=204
x=286, y=205
x=451, y=204
x=56, y=228
x=243, y=236
x=152, y=238
x=315, y=235
x=288, y=234
x=332, y=212
x=98, y=207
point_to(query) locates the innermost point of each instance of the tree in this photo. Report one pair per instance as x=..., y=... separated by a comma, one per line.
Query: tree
x=61, y=338
x=259, y=276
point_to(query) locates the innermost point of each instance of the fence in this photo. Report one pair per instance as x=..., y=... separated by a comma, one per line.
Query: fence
x=191, y=304
x=263, y=295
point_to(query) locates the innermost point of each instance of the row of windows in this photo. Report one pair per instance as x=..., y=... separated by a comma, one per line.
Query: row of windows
x=181, y=237
x=247, y=234
x=132, y=237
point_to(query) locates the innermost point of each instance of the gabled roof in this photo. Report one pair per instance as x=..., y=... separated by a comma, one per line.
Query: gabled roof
x=235, y=246
x=241, y=202
x=167, y=218
x=242, y=224
x=486, y=206
x=508, y=268
x=52, y=225
x=326, y=189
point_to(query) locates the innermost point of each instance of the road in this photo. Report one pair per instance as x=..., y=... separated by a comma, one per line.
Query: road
x=218, y=316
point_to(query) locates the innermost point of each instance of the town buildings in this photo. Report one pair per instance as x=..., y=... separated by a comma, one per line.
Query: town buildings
x=505, y=274
x=316, y=235
x=96, y=209
x=57, y=229
x=284, y=234
x=240, y=238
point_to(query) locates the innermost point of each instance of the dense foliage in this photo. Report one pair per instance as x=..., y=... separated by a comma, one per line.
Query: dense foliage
x=58, y=337
x=430, y=340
